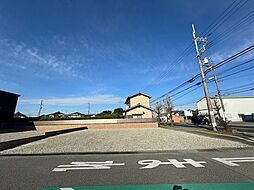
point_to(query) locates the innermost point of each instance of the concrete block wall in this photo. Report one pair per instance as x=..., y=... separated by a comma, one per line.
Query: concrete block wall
x=57, y=125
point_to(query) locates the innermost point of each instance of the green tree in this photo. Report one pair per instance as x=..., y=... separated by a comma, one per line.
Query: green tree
x=105, y=112
x=118, y=112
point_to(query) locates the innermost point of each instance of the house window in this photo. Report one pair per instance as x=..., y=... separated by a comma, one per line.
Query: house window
x=137, y=116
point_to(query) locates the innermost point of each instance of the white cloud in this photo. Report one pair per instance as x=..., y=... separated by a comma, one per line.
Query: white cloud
x=23, y=56
x=228, y=52
x=50, y=61
x=74, y=101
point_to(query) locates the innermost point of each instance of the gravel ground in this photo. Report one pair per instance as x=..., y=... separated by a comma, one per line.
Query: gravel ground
x=105, y=140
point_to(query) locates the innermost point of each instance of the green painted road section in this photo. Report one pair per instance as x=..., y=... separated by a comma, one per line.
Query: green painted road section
x=208, y=186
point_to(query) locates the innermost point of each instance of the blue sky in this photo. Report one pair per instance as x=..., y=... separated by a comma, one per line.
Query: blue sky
x=69, y=53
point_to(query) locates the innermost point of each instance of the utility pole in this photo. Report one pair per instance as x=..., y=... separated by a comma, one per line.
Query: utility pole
x=40, y=108
x=88, y=108
x=219, y=93
x=208, y=100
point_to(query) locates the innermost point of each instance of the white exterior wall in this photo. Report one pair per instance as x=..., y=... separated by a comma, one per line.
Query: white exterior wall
x=140, y=110
x=233, y=107
x=202, y=107
x=140, y=99
x=74, y=116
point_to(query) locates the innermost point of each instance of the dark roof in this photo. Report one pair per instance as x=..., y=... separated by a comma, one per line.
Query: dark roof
x=140, y=93
x=76, y=113
x=136, y=106
x=55, y=113
x=17, y=114
x=177, y=111
x=1, y=91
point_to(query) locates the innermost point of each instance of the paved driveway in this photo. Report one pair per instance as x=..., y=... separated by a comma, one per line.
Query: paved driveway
x=120, y=140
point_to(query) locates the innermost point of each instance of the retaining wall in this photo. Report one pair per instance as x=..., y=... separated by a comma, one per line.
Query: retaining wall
x=95, y=124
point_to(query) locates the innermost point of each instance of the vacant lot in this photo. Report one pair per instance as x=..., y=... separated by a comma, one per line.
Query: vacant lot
x=110, y=140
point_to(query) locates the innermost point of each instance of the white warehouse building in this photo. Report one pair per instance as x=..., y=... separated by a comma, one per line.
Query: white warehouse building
x=237, y=108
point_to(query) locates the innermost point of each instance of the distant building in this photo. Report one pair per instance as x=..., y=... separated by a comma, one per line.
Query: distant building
x=138, y=106
x=19, y=115
x=163, y=117
x=8, y=102
x=178, y=116
x=75, y=115
x=55, y=115
x=237, y=108
x=188, y=114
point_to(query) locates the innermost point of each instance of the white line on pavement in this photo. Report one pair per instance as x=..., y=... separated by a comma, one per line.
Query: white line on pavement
x=233, y=161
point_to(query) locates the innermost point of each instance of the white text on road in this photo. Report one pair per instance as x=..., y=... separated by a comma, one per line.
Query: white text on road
x=233, y=161
x=155, y=163
x=86, y=166
x=149, y=164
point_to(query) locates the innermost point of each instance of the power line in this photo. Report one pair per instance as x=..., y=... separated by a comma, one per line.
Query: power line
x=240, y=71
x=234, y=11
x=241, y=91
x=233, y=57
x=241, y=25
x=186, y=93
x=232, y=8
x=234, y=27
x=218, y=18
x=175, y=62
x=189, y=103
x=237, y=89
x=197, y=84
x=240, y=76
x=228, y=14
x=234, y=67
x=241, y=87
x=178, y=87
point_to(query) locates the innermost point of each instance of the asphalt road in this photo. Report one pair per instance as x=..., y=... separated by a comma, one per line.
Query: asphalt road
x=69, y=171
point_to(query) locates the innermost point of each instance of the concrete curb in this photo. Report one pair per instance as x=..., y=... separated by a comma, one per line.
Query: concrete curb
x=14, y=143
x=216, y=135
x=130, y=152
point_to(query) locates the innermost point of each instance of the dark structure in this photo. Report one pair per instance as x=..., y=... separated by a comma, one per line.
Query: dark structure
x=19, y=115
x=8, y=102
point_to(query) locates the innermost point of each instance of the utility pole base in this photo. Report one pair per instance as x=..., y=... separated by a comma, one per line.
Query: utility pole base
x=214, y=127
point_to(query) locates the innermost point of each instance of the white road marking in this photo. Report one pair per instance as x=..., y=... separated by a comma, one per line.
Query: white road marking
x=87, y=166
x=233, y=161
x=66, y=188
x=148, y=164
x=155, y=163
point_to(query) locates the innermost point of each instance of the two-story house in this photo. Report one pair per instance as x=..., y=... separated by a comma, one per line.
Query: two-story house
x=138, y=106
